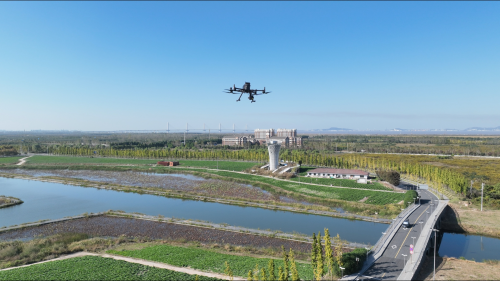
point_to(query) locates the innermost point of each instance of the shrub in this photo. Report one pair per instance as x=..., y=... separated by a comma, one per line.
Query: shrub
x=391, y=177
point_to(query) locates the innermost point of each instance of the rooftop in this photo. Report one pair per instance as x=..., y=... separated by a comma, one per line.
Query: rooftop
x=338, y=171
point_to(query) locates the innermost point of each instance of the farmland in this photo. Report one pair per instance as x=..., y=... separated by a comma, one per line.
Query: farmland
x=222, y=165
x=94, y=268
x=207, y=260
x=9, y=160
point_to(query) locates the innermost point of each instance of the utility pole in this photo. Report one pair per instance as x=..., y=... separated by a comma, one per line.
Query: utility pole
x=482, y=188
x=233, y=128
x=219, y=128
x=435, y=238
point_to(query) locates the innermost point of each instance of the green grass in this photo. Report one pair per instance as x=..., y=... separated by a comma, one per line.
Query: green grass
x=223, y=165
x=207, y=260
x=86, y=160
x=343, y=183
x=94, y=268
x=374, y=197
x=9, y=160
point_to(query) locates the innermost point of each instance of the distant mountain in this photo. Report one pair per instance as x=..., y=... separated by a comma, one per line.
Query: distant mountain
x=482, y=129
x=337, y=129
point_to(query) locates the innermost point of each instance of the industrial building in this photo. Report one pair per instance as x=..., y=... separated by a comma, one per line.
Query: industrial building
x=235, y=140
x=337, y=173
x=287, y=137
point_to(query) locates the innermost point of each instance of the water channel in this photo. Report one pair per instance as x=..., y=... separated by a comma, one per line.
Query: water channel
x=44, y=200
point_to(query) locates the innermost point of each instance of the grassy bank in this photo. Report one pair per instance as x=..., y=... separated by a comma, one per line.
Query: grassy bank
x=469, y=219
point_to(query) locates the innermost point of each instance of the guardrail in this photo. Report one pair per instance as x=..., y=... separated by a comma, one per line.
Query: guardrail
x=393, y=226
x=375, y=253
x=411, y=267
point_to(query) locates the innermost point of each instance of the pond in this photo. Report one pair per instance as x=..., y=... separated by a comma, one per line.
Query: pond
x=44, y=200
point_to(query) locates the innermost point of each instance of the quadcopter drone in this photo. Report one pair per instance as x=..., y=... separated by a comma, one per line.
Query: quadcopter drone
x=246, y=90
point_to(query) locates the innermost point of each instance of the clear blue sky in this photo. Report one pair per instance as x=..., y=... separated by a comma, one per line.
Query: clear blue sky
x=139, y=65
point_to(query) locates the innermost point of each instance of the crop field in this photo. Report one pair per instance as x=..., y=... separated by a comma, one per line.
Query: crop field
x=9, y=160
x=374, y=197
x=207, y=260
x=222, y=165
x=94, y=268
x=181, y=182
x=108, y=226
x=38, y=159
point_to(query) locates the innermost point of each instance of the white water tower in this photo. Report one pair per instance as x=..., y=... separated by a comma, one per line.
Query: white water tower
x=274, y=155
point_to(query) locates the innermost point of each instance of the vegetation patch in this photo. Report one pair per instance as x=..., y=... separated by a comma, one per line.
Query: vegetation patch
x=94, y=268
x=207, y=260
x=9, y=160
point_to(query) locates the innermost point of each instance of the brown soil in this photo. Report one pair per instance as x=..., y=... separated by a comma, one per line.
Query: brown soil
x=363, y=200
x=455, y=269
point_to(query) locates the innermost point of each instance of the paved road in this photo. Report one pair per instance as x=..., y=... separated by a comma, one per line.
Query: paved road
x=391, y=263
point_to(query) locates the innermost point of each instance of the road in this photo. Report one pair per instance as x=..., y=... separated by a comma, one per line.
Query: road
x=391, y=263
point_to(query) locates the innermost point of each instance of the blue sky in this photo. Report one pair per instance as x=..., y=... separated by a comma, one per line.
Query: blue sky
x=139, y=65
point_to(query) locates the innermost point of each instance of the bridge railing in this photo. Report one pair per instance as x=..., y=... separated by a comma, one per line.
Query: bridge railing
x=411, y=267
x=392, y=227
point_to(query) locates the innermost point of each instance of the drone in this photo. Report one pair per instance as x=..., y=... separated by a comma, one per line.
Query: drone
x=246, y=90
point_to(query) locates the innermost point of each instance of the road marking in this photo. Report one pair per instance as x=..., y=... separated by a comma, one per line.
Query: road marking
x=394, y=246
x=409, y=232
x=383, y=275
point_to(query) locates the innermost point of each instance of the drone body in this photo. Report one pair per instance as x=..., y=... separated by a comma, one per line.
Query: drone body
x=246, y=90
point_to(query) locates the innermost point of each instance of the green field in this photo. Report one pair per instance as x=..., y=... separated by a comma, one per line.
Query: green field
x=374, y=197
x=223, y=165
x=9, y=160
x=94, y=268
x=207, y=260
x=343, y=183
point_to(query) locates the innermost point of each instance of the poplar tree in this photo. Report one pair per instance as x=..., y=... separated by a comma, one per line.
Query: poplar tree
x=318, y=272
x=270, y=269
x=293, y=267
x=328, y=251
x=286, y=266
x=281, y=274
x=263, y=274
x=314, y=252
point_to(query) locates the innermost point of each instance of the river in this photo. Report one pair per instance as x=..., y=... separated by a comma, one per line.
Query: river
x=43, y=200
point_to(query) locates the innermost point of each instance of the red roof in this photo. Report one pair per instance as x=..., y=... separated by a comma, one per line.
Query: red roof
x=338, y=171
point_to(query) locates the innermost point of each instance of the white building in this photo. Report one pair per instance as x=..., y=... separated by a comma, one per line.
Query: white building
x=338, y=173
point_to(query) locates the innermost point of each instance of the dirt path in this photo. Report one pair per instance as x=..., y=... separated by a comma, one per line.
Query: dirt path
x=138, y=261
x=22, y=160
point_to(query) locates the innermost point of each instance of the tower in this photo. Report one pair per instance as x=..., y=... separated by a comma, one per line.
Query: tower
x=274, y=155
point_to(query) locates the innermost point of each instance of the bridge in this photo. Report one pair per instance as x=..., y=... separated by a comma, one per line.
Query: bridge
x=390, y=258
